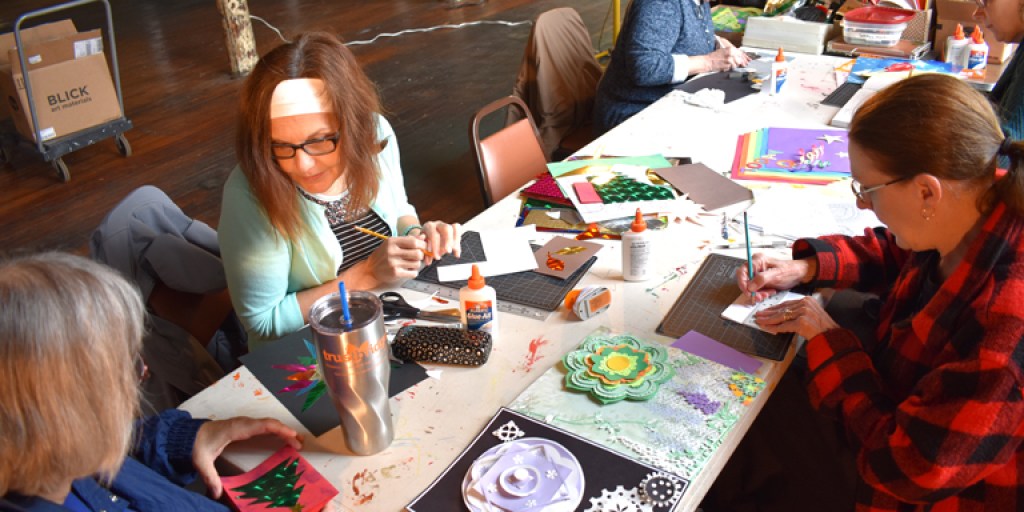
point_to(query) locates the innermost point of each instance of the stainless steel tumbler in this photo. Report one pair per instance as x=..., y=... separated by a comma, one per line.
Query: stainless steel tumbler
x=354, y=363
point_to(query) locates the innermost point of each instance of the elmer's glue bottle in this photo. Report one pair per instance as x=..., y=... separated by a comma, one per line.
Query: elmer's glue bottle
x=478, y=304
x=977, y=54
x=636, y=250
x=956, y=47
x=778, y=73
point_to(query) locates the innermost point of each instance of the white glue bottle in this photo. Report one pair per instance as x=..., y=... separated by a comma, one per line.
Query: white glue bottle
x=977, y=53
x=478, y=304
x=778, y=73
x=636, y=250
x=956, y=47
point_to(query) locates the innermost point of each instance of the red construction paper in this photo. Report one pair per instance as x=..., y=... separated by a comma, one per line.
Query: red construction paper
x=316, y=490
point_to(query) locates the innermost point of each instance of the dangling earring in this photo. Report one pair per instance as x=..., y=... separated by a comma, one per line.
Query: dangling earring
x=926, y=214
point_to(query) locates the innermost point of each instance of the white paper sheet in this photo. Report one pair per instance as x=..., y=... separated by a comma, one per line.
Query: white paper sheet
x=507, y=251
x=742, y=311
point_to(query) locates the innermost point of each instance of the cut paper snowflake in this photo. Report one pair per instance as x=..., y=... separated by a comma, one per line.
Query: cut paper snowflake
x=660, y=489
x=619, y=500
x=619, y=368
x=745, y=386
x=508, y=432
x=306, y=376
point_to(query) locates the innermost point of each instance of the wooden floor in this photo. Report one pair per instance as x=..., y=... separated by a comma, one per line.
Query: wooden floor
x=180, y=96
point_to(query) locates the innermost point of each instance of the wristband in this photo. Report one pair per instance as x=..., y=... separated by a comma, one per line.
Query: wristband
x=410, y=228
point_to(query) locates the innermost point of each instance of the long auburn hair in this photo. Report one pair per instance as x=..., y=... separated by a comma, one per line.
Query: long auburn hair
x=938, y=124
x=355, y=102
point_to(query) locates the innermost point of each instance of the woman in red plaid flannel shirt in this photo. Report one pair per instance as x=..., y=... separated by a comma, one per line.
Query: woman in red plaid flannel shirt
x=930, y=400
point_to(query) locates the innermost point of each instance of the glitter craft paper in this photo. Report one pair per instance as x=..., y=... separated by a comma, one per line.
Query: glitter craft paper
x=676, y=431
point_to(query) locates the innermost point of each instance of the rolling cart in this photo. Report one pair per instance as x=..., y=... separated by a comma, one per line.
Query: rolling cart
x=53, y=150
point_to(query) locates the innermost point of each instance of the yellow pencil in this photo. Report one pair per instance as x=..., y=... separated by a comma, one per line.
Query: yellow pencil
x=385, y=237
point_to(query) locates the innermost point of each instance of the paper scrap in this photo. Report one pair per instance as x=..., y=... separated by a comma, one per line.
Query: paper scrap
x=703, y=346
x=434, y=374
x=507, y=251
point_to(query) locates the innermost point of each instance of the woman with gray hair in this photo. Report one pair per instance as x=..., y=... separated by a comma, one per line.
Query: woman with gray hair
x=70, y=337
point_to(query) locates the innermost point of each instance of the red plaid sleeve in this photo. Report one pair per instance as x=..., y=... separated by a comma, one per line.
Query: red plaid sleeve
x=870, y=262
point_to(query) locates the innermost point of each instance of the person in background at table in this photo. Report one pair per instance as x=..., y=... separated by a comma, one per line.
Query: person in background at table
x=662, y=42
x=316, y=159
x=1004, y=20
x=926, y=379
x=70, y=365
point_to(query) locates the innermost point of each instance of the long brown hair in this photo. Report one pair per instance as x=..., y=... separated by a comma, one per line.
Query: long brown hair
x=355, y=102
x=938, y=124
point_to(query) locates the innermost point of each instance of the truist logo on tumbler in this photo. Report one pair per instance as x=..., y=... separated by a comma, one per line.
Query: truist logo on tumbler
x=355, y=357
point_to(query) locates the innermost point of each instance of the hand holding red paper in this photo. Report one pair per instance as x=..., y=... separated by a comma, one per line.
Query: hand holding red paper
x=216, y=435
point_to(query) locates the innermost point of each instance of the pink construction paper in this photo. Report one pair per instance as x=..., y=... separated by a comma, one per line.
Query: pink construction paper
x=586, y=193
x=316, y=490
x=703, y=346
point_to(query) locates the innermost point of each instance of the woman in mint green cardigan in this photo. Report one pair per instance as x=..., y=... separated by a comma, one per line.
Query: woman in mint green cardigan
x=316, y=161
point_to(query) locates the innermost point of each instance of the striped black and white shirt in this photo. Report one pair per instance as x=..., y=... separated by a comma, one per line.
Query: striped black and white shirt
x=355, y=246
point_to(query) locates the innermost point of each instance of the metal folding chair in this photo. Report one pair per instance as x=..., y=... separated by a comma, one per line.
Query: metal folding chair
x=510, y=157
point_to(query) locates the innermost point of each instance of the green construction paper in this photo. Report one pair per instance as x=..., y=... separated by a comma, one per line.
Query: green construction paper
x=651, y=162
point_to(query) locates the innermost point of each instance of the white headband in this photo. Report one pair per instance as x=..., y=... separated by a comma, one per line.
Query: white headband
x=299, y=96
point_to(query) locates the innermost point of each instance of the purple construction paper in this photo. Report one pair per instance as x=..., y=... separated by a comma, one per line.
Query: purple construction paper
x=786, y=143
x=703, y=346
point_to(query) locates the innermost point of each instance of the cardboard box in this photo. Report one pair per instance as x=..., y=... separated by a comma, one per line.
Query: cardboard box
x=951, y=12
x=71, y=85
x=786, y=32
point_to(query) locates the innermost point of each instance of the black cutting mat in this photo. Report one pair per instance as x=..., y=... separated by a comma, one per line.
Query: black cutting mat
x=603, y=469
x=699, y=308
x=528, y=288
x=734, y=84
x=841, y=96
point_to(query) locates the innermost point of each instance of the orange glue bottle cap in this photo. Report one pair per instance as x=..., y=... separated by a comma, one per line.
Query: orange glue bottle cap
x=958, y=34
x=780, y=57
x=977, y=37
x=476, y=281
x=638, y=224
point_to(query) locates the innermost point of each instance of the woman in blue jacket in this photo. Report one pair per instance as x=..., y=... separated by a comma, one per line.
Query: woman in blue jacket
x=70, y=339
x=661, y=44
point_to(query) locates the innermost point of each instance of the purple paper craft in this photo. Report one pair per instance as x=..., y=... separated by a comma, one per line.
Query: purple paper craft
x=703, y=346
x=788, y=143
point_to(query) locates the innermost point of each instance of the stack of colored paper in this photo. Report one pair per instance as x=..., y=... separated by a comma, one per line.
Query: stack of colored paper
x=792, y=155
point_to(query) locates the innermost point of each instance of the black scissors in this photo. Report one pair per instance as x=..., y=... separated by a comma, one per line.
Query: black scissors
x=396, y=307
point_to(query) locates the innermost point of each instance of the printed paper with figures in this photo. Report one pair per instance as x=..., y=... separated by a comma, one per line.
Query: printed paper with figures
x=676, y=430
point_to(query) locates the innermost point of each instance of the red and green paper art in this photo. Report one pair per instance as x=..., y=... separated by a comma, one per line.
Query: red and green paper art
x=285, y=481
x=624, y=189
x=616, y=369
x=792, y=155
x=306, y=377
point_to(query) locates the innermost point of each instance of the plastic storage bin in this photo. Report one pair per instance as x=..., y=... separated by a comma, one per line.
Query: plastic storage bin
x=875, y=26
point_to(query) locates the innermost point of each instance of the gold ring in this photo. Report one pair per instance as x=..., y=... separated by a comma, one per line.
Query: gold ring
x=787, y=315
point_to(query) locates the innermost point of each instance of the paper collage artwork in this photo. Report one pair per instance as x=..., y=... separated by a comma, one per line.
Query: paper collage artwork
x=520, y=464
x=285, y=481
x=676, y=430
x=792, y=155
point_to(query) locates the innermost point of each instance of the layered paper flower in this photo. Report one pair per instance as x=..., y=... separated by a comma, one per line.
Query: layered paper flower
x=618, y=368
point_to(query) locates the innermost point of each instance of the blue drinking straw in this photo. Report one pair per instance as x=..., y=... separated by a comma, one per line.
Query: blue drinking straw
x=344, y=305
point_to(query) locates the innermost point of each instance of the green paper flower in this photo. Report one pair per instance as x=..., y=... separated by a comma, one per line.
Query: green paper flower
x=617, y=368
x=619, y=364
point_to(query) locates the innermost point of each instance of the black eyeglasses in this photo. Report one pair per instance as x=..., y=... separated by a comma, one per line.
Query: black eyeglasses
x=862, y=193
x=312, y=147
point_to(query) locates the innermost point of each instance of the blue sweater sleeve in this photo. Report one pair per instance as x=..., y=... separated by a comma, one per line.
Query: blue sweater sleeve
x=656, y=27
x=164, y=444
